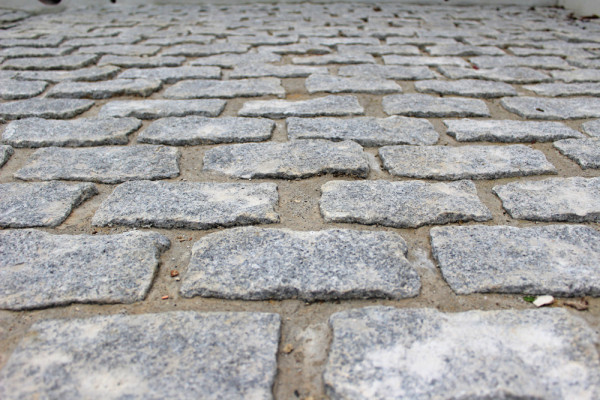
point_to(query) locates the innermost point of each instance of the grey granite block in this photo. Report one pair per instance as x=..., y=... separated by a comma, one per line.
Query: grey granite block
x=544, y=62
x=560, y=260
x=290, y=160
x=39, y=132
x=189, y=205
x=90, y=74
x=460, y=49
x=135, y=50
x=278, y=71
x=152, y=109
x=177, y=355
x=407, y=204
x=465, y=162
x=466, y=87
x=73, y=61
x=141, y=62
x=423, y=105
x=233, y=60
x=335, y=41
x=105, y=89
x=544, y=108
x=102, y=164
x=565, y=89
x=11, y=89
x=24, y=205
x=507, y=131
x=322, y=106
x=45, y=41
x=574, y=199
x=336, y=84
x=21, y=52
x=44, y=108
x=201, y=50
x=5, y=153
x=225, y=89
x=504, y=74
x=173, y=40
x=42, y=270
x=189, y=131
x=592, y=128
x=387, y=71
x=347, y=58
x=424, y=60
x=171, y=75
x=577, y=75
x=585, y=152
x=260, y=264
x=423, y=354
x=379, y=50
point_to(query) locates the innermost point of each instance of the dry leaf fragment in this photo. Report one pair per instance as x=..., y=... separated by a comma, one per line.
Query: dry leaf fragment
x=174, y=273
x=579, y=304
x=288, y=348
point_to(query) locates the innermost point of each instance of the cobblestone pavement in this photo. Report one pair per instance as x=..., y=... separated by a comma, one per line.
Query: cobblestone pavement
x=299, y=201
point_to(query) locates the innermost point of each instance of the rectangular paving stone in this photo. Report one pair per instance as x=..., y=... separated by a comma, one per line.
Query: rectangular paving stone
x=565, y=89
x=172, y=40
x=192, y=89
x=406, y=204
x=188, y=205
x=20, y=52
x=466, y=87
x=105, y=89
x=5, y=153
x=559, y=260
x=335, y=41
x=73, y=61
x=311, y=266
x=25, y=205
x=424, y=354
x=296, y=48
x=44, y=108
x=423, y=105
x=465, y=162
x=379, y=50
x=39, y=132
x=585, y=152
x=545, y=108
x=543, y=62
x=11, y=89
x=152, y=109
x=289, y=160
x=85, y=74
x=278, y=71
x=337, y=84
x=200, y=50
x=387, y=71
x=577, y=75
x=230, y=60
x=507, y=131
x=141, y=62
x=367, y=131
x=592, y=128
x=171, y=75
x=424, y=60
x=46, y=41
x=460, y=49
x=43, y=270
x=347, y=58
x=322, y=106
x=106, y=164
x=121, y=50
x=555, y=199
x=167, y=355
x=504, y=74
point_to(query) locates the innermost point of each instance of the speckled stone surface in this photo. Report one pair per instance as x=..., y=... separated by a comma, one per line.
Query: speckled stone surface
x=105, y=89
x=461, y=49
x=390, y=353
x=585, y=152
x=5, y=153
x=545, y=108
x=189, y=205
x=423, y=60
x=12, y=89
x=24, y=205
x=367, y=131
x=121, y=49
x=192, y=89
x=565, y=89
x=83, y=74
x=573, y=199
x=73, y=61
x=229, y=60
x=322, y=106
x=194, y=130
x=38, y=269
x=505, y=74
x=466, y=87
x=290, y=160
x=577, y=75
x=407, y=204
x=171, y=75
x=592, y=128
x=107, y=164
x=141, y=62
x=387, y=71
x=336, y=84
x=44, y=108
x=175, y=355
x=152, y=109
x=423, y=105
x=279, y=71
x=465, y=162
x=258, y=264
x=202, y=50
x=348, y=58
x=560, y=260
x=543, y=62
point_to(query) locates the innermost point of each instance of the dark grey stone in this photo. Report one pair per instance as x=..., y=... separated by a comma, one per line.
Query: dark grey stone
x=504, y=74
x=105, y=89
x=44, y=108
x=466, y=87
x=5, y=153
x=11, y=89
x=565, y=89
x=322, y=106
x=225, y=89
x=171, y=75
x=544, y=62
x=336, y=84
x=424, y=60
x=423, y=105
x=585, y=152
x=90, y=74
x=544, y=108
x=278, y=71
x=73, y=61
x=152, y=109
x=201, y=50
x=387, y=71
x=141, y=62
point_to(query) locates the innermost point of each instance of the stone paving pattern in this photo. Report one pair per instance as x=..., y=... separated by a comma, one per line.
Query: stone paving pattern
x=204, y=202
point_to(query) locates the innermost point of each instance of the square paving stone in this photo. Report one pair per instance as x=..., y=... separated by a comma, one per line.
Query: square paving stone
x=44, y=108
x=84, y=74
x=278, y=71
x=5, y=153
x=465, y=162
x=141, y=62
x=188, y=205
x=407, y=204
x=367, y=131
x=336, y=84
x=289, y=160
x=110, y=164
x=73, y=61
x=423, y=354
x=12, y=89
x=387, y=71
x=105, y=89
x=260, y=264
x=322, y=106
x=466, y=87
x=592, y=128
x=555, y=199
x=506, y=131
x=193, y=89
x=171, y=75
x=507, y=74
x=544, y=62
x=545, y=108
x=424, y=60
x=560, y=260
x=153, y=109
x=585, y=152
x=38, y=269
x=39, y=132
x=423, y=105
x=24, y=205
x=175, y=355
x=565, y=89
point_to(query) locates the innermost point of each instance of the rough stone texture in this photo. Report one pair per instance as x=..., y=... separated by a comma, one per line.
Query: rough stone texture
x=193, y=89
x=565, y=89
x=592, y=128
x=585, y=152
x=577, y=75
x=460, y=49
x=85, y=74
x=232, y=60
x=176, y=355
x=24, y=205
x=348, y=58
x=289, y=160
x=260, y=264
x=544, y=62
x=38, y=269
x=12, y=89
x=5, y=153
x=152, y=109
x=74, y=61
x=105, y=89
x=390, y=353
x=20, y=52
x=335, y=84
x=189, y=205
x=44, y=108
x=407, y=204
x=122, y=50
x=506, y=131
x=387, y=71
x=466, y=87
x=465, y=162
x=278, y=71
x=201, y=50
x=171, y=75
x=141, y=62
x=560, y=260
x=39, y=132
x=102, y=164
x=322, y=106
x=423, y=105
x=367, y=131
x=189, y=131
x=423, y=60
x=505, y=74
x=556, y=199
x=544, y=108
